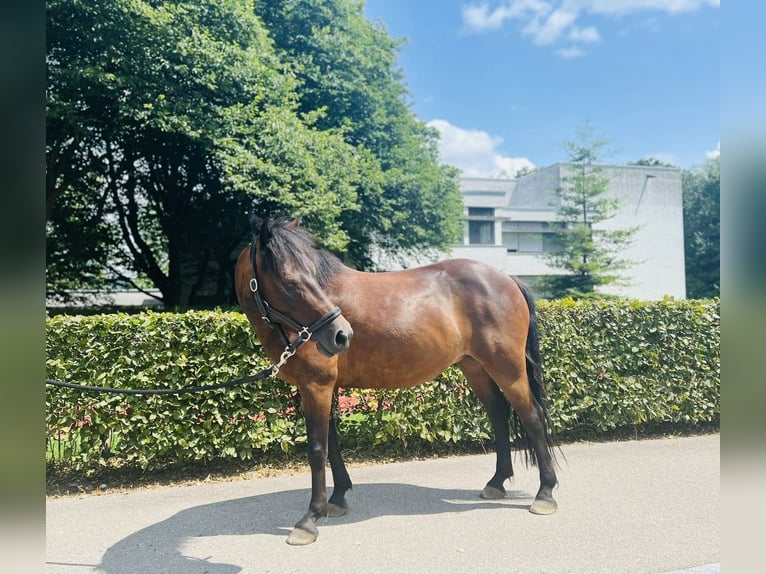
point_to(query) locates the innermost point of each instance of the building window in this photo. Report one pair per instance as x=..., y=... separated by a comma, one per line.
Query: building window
x=481, y=233
x=481, y=226
x=481, y=212
x=529, y=237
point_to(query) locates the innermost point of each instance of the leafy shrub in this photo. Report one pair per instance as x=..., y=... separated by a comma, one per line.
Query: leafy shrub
x=609, y=364
x=613, y=363
x=162, y=350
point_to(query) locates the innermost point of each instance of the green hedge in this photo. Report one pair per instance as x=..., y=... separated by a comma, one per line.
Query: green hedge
x=609, y=364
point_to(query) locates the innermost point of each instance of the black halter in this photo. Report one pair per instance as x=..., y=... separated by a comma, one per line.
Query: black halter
x=267, y=311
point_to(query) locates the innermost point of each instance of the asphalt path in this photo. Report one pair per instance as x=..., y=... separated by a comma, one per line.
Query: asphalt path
x=647, y=506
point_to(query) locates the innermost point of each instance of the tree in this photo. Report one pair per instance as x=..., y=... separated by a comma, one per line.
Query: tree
x=136, y=95
x=652, y=162
x=702, y=225
x=588, y=254
x=524, y=170
x=347, y=70
x=168, y=123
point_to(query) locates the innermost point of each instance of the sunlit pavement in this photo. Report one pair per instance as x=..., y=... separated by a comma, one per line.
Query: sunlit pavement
x=649, y=506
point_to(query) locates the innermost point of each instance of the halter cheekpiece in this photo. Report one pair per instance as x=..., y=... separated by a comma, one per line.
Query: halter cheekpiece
x=267, y=312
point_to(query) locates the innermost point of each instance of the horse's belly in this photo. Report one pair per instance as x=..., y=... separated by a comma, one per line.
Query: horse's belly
x=396, y=369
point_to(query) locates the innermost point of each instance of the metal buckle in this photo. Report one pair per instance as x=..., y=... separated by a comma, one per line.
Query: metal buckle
x=253, y=285
x=304, y=334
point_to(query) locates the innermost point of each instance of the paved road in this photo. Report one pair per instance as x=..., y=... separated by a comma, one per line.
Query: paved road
x=625, y=507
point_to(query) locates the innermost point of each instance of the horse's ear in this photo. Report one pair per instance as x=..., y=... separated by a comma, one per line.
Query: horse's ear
x=295, y=223
x=264, y=234
x=256, y=223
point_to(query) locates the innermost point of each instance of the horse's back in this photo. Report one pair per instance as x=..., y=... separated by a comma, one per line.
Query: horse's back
x=476, y=289
x=410, y=325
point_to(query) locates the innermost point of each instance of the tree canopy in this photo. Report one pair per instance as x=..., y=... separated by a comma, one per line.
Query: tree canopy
x=348, y=76
x=169, y=123
x=702, y=229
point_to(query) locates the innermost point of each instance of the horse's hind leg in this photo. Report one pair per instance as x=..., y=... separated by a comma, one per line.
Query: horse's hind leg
x=519, y=394
x=499, y=413
x=337, y=506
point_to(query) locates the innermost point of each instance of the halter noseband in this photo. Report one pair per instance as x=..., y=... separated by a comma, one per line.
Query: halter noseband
x=267, y=311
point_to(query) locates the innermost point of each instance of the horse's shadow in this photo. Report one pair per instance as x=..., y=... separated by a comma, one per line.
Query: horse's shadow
x=159, y=547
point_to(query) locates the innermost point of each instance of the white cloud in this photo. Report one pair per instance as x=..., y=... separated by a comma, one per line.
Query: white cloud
x=474, y=152
x=547, y=22
x=478, y=17
x=715, y=153
x=552, y=28
x=571, y=52
x=587, y=35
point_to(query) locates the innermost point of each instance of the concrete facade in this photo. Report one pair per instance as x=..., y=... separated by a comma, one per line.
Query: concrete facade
x=507, y=221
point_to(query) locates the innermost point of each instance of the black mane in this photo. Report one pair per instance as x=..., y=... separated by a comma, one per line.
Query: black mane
x=283, y=240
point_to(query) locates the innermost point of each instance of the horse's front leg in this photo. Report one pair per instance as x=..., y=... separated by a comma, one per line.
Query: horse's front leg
x=317, y=401
x=340, y=478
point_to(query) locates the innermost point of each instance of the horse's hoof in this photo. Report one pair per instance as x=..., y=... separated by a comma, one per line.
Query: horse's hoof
x=300, y=537
x=335, y=510
x=492, y=493
x=543, y=507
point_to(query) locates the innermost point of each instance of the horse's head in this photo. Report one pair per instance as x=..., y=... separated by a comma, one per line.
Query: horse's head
x=293, y=275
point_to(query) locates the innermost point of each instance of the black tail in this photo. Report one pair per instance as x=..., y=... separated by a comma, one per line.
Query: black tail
x=536, y=383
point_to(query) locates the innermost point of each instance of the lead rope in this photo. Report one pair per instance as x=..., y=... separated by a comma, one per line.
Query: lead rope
x=271, y=371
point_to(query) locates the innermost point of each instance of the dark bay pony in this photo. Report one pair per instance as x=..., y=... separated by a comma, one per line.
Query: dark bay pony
x=393, y=330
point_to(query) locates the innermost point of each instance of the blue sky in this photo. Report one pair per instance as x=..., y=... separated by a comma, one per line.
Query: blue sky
x=507, y=81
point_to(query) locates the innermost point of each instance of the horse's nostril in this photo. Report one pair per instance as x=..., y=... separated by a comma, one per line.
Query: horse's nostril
x=341, y=338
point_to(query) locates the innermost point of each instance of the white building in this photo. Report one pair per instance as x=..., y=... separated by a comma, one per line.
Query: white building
x=508, y=225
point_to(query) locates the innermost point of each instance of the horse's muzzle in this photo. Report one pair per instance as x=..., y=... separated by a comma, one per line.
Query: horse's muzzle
x=335, y=340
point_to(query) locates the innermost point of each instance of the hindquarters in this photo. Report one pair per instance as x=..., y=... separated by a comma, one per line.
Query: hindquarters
x=504, y=340
x=505, y=365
